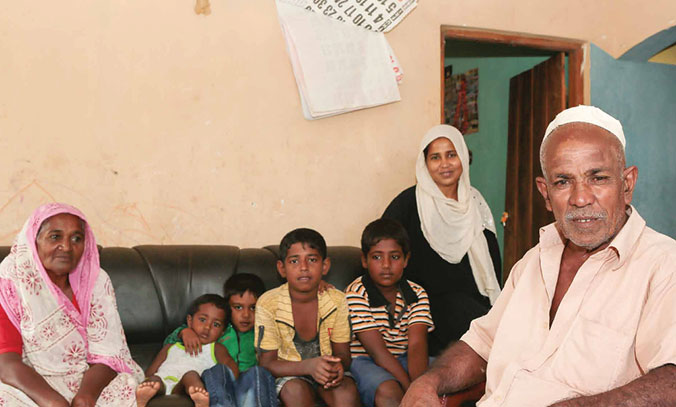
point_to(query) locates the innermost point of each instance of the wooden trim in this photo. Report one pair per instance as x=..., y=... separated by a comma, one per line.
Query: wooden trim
x=575, y=79
x=505, y=37
x=442, y=89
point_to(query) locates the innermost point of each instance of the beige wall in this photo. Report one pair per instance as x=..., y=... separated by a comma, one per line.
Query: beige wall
x=168, y=127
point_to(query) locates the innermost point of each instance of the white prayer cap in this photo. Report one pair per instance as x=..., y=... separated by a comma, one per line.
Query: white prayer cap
x=587, y=114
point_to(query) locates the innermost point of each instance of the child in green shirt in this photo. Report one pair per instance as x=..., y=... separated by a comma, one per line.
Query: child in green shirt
x=255, y=385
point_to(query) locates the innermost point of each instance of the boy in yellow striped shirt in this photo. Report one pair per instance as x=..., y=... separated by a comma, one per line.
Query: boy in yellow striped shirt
x=304, y=335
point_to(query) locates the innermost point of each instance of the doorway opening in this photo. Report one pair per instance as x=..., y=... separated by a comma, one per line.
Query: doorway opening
x=523, y=82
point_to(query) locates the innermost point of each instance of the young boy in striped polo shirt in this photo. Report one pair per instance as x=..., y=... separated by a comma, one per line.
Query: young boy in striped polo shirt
x=390, y=318
x=304, y=335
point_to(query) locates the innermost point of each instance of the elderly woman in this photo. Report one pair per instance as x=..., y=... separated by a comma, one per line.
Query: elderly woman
x=454, y=250
x=61, y=339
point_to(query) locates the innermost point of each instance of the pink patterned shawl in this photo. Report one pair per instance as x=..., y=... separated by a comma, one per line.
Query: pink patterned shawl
x=57, y=339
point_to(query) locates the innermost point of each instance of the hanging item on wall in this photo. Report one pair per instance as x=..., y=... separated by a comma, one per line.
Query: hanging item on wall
x=461, y=101
x=203, y=7
x=378, y=16
x=338, y=67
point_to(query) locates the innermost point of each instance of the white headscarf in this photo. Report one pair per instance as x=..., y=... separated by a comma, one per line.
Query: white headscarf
x=455, y=227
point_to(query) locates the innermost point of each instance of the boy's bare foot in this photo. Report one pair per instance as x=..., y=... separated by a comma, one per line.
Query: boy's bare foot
x=199, y=395
x=145, y=391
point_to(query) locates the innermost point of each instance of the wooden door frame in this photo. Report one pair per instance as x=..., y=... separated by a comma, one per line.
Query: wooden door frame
x=574, y=49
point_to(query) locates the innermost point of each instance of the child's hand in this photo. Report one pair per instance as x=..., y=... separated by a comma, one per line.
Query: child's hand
x=324, y=286
x=338, y=376
x=191, y=342
x=323, y=368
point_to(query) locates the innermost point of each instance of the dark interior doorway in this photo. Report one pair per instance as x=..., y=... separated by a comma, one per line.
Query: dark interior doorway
x=516, y=108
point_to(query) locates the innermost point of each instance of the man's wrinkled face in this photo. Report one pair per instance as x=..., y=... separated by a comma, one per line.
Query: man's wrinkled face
x=586, y=187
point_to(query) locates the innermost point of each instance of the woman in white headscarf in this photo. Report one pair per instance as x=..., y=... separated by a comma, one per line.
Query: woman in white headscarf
x=454, y=250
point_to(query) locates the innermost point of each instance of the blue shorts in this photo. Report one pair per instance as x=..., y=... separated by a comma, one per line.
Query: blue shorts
x=369, y=376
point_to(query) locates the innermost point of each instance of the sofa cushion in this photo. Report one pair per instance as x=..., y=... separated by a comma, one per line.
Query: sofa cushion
x=4, y=251
x=182, y=273
x=137, y=302
x=261, y=262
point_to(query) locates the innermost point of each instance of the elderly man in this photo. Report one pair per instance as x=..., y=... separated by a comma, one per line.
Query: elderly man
x=588, y=316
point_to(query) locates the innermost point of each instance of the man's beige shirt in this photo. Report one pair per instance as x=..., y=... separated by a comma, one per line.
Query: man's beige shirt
x=616, y=322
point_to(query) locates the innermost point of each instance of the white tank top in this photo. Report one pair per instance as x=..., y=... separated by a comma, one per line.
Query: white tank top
x=179, y=362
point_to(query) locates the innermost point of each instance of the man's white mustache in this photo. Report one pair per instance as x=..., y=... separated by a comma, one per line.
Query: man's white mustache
x=586, y=214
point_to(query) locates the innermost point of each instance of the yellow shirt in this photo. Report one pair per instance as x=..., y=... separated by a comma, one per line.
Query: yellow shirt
x=274, y=313
x=616, y=322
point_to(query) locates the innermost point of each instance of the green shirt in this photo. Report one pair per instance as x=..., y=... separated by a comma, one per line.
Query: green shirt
x=239, y=345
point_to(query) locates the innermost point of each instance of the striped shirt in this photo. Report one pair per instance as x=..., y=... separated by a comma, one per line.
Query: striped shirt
x=368, y=310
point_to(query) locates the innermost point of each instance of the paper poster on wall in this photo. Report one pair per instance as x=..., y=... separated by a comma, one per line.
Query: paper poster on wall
x=461, y=101
x=373, y=15
x=338, y=67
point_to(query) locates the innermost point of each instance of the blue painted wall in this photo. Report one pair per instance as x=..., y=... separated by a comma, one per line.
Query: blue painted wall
x=642, y=95
x=489, y=144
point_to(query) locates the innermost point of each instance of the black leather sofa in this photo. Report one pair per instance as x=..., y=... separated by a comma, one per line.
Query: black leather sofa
x=155, y=284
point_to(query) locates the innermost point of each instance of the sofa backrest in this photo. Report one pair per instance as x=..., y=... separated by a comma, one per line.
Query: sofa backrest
x=4, y=251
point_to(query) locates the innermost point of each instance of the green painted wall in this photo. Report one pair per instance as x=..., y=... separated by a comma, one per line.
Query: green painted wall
x=642, y=95
x=489, y=145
